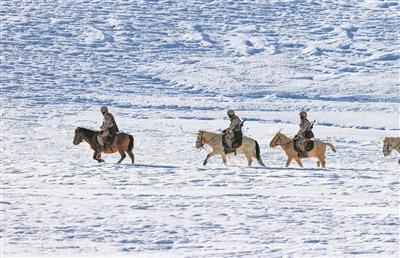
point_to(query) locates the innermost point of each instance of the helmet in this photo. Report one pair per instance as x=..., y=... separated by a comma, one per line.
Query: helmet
x=303, y=114
x=104, y=109
x=231, y=112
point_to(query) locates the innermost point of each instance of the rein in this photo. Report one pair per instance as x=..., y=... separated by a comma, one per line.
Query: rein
x=281, y=144
x=206, y=142
x=87, y=134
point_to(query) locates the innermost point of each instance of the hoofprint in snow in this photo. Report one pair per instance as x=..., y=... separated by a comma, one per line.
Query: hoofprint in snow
x=169, y=69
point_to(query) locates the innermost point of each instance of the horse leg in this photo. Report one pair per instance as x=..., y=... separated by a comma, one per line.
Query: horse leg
x=299, y=162
x=322, y=161
x=123, y=155
x=97, y=156
x=209, y=155
x=130, y=153
x=288, y=162
x=223, y=156
x=249, y=159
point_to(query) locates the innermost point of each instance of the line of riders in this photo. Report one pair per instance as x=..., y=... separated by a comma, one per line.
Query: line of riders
x=232, y=136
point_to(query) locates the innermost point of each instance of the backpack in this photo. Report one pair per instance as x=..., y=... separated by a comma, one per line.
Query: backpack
x=309, y=134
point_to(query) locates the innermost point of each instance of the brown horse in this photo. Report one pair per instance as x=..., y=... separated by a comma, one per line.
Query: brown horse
x=287, y=145
x=249, y=147
x=123, y=142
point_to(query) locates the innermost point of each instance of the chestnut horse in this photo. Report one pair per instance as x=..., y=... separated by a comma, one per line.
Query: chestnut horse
x=287, y=145
x=123, y=142
x=249, y=147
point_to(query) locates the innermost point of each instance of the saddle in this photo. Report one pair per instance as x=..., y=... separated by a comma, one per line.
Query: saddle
x=236, y=143
x=309, y=146
x=109, y=140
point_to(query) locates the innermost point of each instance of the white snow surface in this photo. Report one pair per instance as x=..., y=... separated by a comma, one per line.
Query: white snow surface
x=169, y=68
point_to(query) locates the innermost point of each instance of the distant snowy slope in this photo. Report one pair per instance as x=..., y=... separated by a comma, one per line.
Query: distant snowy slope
x=315, y=49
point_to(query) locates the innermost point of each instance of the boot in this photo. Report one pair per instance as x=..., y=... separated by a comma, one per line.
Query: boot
x=227, y=150
x=100, y=148
x=302, y=154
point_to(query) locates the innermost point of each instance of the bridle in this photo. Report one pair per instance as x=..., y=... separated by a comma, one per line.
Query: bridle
x=388, y=145
x=203, y=140
x=281, y=144
x=78, y=138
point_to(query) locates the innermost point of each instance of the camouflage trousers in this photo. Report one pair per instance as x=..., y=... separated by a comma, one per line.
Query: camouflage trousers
x=101, y=138
x=301, y=142
x=229, y=139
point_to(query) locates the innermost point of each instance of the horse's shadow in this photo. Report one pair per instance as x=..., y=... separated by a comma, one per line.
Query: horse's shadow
x=152, y=166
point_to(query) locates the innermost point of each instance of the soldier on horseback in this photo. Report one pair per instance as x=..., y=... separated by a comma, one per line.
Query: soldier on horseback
x=233, y=133
x=108, y=129
x=304, y=134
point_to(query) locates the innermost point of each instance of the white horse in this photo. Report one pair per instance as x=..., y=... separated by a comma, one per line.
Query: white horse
x=249, y=147
x=389, y=144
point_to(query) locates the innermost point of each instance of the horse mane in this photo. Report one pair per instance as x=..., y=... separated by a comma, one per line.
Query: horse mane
x=392, y=140
x=87, y=132
x=388, y=138
x=208, y=132
x=280, y=133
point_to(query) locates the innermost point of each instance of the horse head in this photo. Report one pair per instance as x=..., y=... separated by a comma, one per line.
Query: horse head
x=200, y=141
x=276, y=140
x=78, y=138
x=387, y=147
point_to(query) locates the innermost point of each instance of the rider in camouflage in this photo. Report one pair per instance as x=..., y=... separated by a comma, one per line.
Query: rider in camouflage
x=300, y=137
x=229, y=133
x=109, y=128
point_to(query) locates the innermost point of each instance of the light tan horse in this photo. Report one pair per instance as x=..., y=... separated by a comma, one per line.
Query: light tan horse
x=287, y=145
x=122, y=143
x=389, y=144
x=249, y=147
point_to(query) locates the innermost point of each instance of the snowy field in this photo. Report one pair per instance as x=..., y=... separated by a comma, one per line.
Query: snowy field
x=169, y=68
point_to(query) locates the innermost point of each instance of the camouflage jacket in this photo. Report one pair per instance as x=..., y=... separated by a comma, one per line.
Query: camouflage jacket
x=305, y=125
x=109, y=124
x=235, y=124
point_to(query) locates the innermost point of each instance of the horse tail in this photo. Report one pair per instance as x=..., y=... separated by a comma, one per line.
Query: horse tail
x=331, y=145
x=258, y=151
x=258, y=154
x=130, y=146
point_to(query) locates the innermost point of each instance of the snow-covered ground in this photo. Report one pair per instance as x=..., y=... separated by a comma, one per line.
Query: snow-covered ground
x=169, y=68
